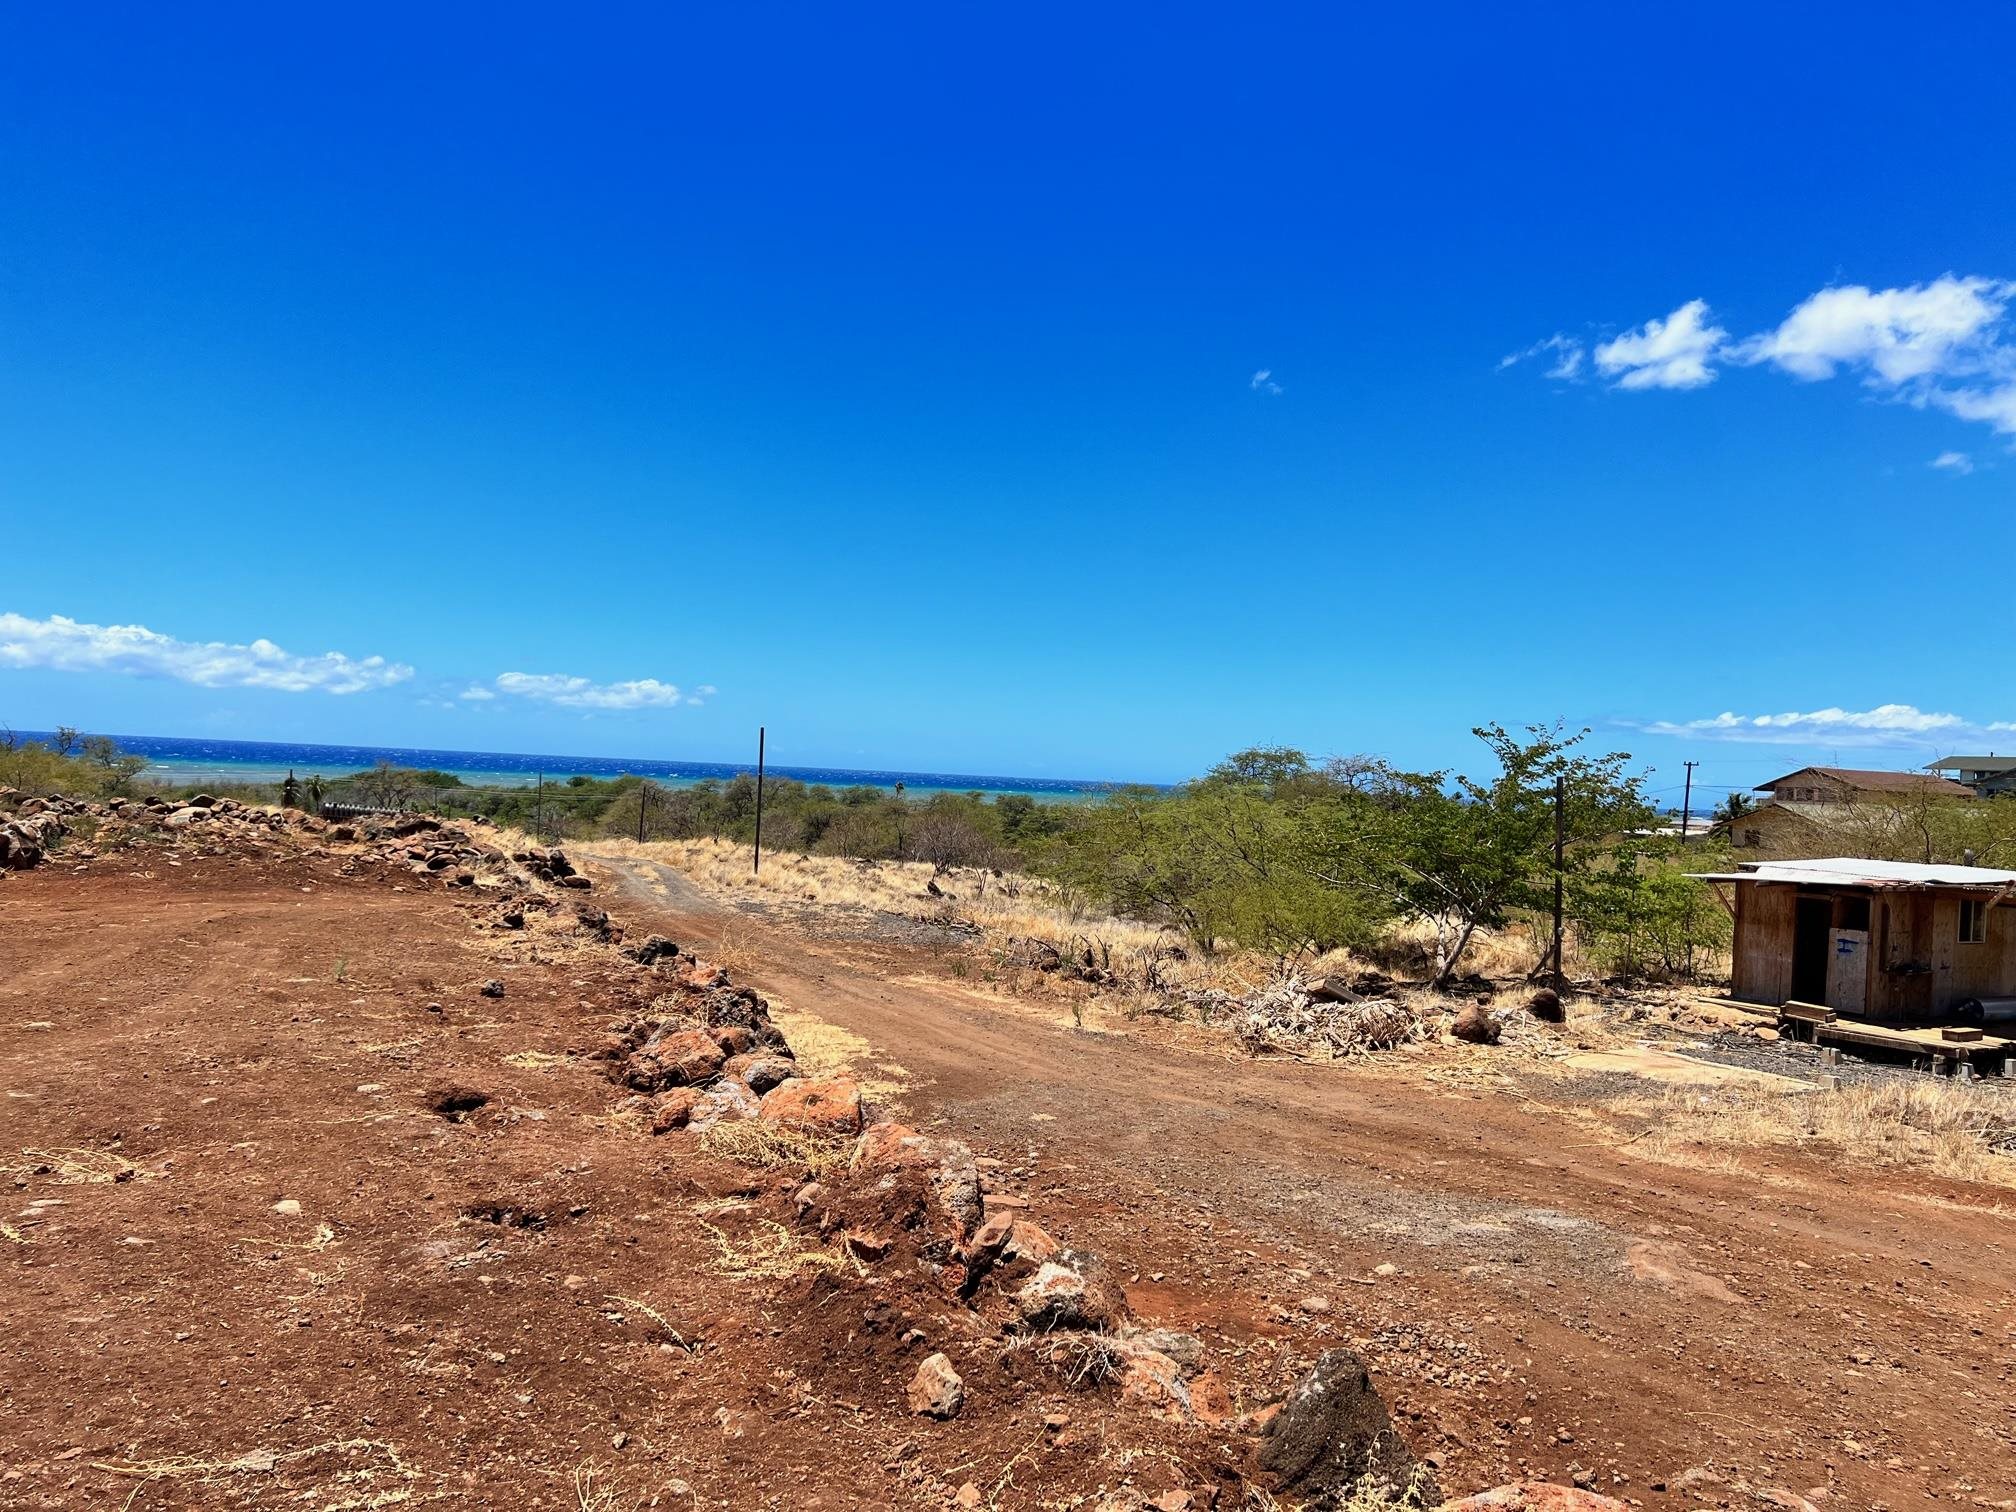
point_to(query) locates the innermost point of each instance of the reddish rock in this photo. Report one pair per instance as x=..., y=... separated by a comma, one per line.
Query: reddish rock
x=990, y=1239
x=1531, y=1496
x=824, y=1107
x=1150, y=1379
x=867, y=1244
x=1028, y=1241
x=679, y=1058
x=895, y=1144
x=735, y=1039
x=1210, y=1402
x=955, y=1179
x=1545, y=1005
x=1475, y=1025
x=673, y=1110
x=936, y=1390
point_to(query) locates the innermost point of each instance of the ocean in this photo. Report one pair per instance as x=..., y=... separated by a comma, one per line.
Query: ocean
x=171, y=759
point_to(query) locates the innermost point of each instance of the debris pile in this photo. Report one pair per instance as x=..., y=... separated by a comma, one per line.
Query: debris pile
x=1320, y=1020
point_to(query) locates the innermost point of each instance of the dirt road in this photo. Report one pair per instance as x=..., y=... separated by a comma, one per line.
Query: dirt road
x=1535, y=1300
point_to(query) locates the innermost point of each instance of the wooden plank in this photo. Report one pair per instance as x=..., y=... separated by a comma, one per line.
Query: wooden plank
x=1961, y=1034
x=1807, y=1013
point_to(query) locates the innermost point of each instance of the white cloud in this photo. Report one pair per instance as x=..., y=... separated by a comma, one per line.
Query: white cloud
x=1566, y=351
x=1900, y=335
x=1952, y=461
x=67, y=645
x=1946, y=344
x=476, y=693
x=1263, y=382
x=1893, y=725
x=580, y=693
x=1674, y=353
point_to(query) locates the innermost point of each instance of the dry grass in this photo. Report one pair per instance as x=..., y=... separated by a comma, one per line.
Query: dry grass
x=772, y=1254
x=77, y=1167
x=365, y=1462
x=1012, y=906
x=776, y=1147
x=1008, y=909
x=1949, y=1129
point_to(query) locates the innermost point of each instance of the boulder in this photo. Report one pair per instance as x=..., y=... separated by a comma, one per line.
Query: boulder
x=989, y=1241
x=735, y=1040
x=821, y=1107
x=724, y=1102
x=1475, y=1026
x=1545, y=1005
x=655, y=948
x=954, y=1178
x=936, y=1389
x=759, y=1073
x=1072, y=1291
x=674, y=1058
x=1334, y=1435
x=673, y=1110
x=1530, y=1496
x=1029, y=1241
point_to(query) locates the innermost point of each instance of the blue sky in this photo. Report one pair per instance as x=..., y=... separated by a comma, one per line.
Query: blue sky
x=889, y=378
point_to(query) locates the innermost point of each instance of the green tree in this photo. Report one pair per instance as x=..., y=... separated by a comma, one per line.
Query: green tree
x=1463, y=854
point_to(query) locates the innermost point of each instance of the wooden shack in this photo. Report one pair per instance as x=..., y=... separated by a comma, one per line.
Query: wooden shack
x=1891, y=942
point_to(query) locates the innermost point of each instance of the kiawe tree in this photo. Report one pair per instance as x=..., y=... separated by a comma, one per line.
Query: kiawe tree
x=1463, y=854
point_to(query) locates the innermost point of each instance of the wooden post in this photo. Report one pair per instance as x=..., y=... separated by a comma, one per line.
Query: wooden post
x=539, y=808
x=1560, y=868
x=758, y=867
x=1687, y=813
x=643, y=797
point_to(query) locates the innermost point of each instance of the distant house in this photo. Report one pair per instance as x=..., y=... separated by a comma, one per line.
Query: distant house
x=1809, y=805
x=1988, y=776
x=1846, y=785
x=1889, y=941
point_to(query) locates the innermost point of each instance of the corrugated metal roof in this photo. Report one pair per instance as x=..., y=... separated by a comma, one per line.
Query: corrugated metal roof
x=1854, y=871
x=1973, y=764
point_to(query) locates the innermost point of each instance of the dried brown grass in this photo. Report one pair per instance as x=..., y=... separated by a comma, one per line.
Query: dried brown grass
x=1949, y=1129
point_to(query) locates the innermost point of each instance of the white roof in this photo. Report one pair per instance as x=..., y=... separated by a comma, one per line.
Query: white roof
x=1853, y=871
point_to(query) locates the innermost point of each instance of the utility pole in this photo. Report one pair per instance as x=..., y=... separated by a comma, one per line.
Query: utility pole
x=1687, y=801
x=758, y=867
x=539, y=808
x=643, y=797
x=1560, y=870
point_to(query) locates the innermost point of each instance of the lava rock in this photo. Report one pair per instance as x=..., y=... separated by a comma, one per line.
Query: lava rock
x=1333, y=1435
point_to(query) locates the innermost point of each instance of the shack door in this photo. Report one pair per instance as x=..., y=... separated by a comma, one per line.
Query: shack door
x=1848, y=971
x=1812, y=926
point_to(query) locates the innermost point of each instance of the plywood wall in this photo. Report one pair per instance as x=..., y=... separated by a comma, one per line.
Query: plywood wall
x=1965, y=971
x=1763, y=958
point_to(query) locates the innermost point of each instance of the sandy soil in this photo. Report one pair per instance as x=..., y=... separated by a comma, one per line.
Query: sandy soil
x=250, y=1262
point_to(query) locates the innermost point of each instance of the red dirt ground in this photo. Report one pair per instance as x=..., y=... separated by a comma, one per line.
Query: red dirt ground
x=461, y=1312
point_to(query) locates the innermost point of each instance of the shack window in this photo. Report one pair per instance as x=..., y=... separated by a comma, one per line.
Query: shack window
x=1973, y=921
